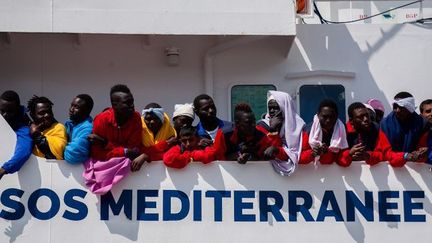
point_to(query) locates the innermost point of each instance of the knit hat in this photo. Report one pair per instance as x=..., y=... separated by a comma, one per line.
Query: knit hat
x=184, y=110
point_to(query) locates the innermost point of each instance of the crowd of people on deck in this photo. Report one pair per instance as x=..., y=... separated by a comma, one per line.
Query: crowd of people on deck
x=119, y=140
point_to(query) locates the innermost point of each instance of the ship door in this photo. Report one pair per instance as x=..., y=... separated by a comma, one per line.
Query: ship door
x=311, y=96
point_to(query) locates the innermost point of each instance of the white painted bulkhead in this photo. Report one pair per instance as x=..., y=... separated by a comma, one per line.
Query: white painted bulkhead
x=194, y=17
x=384, y=59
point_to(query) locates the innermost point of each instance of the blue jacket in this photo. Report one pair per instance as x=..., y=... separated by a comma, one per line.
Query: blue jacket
x=226, y=126
x=404, y=138
x=78, y=147
x=23, y=150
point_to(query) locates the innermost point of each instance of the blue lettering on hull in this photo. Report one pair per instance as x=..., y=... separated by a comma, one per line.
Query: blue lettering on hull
x=247, y=205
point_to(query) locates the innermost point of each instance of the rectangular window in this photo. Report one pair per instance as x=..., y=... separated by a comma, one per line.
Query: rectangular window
x=311, y=96
x=255, y=95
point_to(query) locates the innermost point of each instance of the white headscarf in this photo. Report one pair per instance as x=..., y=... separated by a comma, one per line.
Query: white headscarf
x=408, y=103
x=290, y=133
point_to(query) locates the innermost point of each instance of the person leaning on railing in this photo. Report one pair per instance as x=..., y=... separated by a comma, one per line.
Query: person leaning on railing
x=327, y=135
x=14, y=114
x=78, y=128
x=158, y=133
x=49, y=136
x=189, y=150
x=403, y=134
x=116, y=143
x=362, y=136
x=284, y=127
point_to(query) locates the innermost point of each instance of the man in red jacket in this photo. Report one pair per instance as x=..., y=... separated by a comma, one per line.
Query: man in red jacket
x=362, y=136
x=116, y=142
x=327, y=135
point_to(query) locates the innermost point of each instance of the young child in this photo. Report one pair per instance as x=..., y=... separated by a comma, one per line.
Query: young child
x=189, y=150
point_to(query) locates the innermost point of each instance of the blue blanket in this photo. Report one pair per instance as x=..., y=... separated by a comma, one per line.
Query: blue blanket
x=403, y=137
